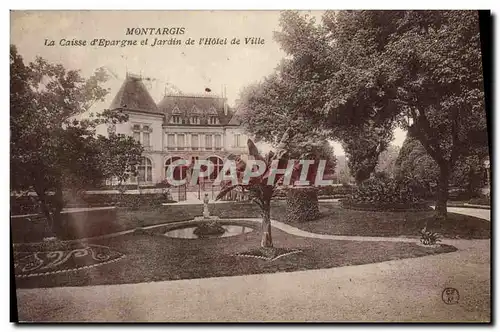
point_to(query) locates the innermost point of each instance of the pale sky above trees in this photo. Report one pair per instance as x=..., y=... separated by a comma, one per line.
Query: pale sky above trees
x=191, y=69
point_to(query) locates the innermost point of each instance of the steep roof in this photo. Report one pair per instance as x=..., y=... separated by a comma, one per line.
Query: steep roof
x=236, y=119
x=133, y=95
x=200, y=105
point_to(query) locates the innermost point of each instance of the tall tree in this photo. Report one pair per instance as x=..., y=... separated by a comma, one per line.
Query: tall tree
x=387, y=161
x=414, y=162
x=52, y=150
x=420, y=70
x=332, y=96
x=434, y=60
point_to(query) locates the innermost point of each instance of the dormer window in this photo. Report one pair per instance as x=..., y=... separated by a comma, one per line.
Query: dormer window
x=176, y=119
x=194, y=120
x=213, y=120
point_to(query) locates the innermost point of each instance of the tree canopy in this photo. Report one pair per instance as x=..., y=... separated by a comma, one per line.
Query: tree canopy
x=358, y=74
x=52, y=149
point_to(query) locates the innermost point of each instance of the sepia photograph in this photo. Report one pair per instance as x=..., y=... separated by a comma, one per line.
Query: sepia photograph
x=242, y=166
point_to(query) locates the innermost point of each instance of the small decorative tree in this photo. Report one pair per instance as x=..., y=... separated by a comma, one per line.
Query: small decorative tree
x=260, y=191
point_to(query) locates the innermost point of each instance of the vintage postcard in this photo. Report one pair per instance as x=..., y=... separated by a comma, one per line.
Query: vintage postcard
x=250, y=166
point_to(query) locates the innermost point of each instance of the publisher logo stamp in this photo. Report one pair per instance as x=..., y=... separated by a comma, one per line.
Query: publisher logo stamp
x=450, y=295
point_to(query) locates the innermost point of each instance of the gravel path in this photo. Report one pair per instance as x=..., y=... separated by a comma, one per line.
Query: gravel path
x=400, y=290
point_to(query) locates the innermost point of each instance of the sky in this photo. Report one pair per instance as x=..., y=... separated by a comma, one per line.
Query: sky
x=191, y=69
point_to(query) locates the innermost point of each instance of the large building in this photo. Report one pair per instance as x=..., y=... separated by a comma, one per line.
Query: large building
x=179, y=126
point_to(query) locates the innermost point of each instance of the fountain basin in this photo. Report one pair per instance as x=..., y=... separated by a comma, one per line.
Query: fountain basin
x=189, y=231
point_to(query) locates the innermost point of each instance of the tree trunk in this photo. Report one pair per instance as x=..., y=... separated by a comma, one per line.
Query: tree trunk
x=57, y=225
x=267, y=240
x=442, y=191
x=44, y=206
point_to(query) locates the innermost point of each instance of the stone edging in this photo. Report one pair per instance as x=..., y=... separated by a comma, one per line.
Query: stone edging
x=68, y=270
x=270, y=259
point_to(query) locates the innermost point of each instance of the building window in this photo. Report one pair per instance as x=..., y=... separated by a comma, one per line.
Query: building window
x=218, y=142
x=142, y=134
x=171, y=141
x=237, y=140
x=208, y=142
x=179, y=171
x=145, y=171
x=145, y=136
x=213, y=120
x=176, y=119
x=180, y=142
x=218, y=164
x=195, y=120
x=137, y=133
x=195, y=144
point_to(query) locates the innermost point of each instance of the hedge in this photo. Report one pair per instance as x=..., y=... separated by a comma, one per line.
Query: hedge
x=480, y=201
x=387, y=207
x=74, y=225
x=335, y=191
x=302, y=204
x=28, y=205
x=325, y=191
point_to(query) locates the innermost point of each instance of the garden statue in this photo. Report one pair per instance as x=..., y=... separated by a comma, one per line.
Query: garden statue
x=209, y=225
x=206, y=213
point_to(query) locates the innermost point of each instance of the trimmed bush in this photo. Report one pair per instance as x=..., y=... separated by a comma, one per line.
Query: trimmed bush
x=302, y=204
x=209, y=229
x=387, y=194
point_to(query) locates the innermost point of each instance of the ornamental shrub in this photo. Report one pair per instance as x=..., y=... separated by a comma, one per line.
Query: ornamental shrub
x=384, y=193
x=302, y=204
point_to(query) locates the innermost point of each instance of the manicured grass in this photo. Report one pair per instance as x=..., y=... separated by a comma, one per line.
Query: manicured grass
x=155, y=257
x=172, y=213
x=334, y=220
x=339, y=221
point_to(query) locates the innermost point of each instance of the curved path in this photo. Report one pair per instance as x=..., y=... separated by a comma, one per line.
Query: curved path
x=474, y=212
x=478, y=213
x=408, y=290
x=299, y=232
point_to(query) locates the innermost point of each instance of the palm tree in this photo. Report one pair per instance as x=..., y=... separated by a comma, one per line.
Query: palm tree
x=260, y=191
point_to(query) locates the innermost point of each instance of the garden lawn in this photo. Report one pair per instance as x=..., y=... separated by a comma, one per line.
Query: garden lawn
x=339, y=221
x=156, y=257
x=334, y=220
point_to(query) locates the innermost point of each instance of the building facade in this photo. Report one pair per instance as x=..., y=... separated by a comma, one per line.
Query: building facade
x=180, y=126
